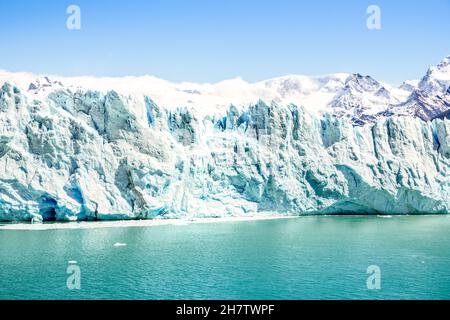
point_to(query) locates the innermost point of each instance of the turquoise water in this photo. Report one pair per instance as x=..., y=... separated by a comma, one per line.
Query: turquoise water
x=302, y=258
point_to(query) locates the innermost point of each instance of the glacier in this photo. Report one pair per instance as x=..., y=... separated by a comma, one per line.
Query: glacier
x=86, y=155
x=70, y=154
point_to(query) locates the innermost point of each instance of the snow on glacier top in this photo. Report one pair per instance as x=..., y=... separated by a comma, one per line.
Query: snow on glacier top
x=313, y=93
x=342, y=93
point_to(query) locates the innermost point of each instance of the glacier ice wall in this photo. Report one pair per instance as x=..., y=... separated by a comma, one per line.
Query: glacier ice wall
x=92, y=155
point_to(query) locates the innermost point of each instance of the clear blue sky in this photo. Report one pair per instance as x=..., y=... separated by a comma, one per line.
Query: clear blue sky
x=212, y=40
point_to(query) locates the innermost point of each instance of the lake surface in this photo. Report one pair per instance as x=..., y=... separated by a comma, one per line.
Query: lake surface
x=302, y=258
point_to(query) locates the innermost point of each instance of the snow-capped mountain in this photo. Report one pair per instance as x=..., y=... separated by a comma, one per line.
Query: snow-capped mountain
x=136, y=148
x=421, y=104
x=430, y=98
x=437, y=79
x=360, y=99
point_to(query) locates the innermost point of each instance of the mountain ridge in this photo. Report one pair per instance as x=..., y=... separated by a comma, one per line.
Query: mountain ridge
x=358, y=98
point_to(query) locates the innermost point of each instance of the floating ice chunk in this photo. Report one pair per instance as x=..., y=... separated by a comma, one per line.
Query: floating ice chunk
x=119, y=244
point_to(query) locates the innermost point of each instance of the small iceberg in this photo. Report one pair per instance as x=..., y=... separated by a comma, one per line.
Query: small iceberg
x=72, y=262
x=385, y=216
x=119, y=244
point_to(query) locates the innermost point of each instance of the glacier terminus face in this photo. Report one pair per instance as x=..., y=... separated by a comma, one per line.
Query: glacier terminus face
x=69, y=153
